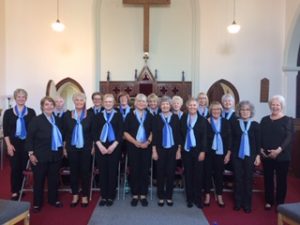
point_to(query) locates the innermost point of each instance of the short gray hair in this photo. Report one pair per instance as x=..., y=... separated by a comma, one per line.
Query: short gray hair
x=20, y=91
x=228, y=96
x=243, y=104
x=165, y=98
x=177, y=98
x=79, y=95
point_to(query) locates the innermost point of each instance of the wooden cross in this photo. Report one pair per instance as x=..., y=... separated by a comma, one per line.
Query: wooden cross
x=146, y=4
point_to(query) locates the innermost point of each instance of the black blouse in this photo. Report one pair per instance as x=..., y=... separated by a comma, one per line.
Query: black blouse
x=68, y=126
x=116, y=122
x=254, y=138
x=10, y=120
x=200, y=131
x=277, y=133
x=158, y=125
x=225, y=135
x=132, y=124
x=39, y=138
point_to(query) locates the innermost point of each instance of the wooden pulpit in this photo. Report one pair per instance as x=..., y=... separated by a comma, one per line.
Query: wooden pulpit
x=146, y=83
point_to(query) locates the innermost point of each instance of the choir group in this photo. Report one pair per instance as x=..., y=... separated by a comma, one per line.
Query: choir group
x=206, y=138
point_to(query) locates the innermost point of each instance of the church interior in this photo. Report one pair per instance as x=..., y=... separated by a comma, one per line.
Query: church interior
x=169, y=47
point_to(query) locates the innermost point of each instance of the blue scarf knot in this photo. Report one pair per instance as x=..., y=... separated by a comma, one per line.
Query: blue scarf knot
x=244, y=149
x=56, y=139
x=190, y=140
x=203, y=111
x=124, y=111
x=168, y=139
x=227, y=114
x=217, y=144
x=96, y=110
x=21, y=132
x=107, y=132
x=141, y=133
x=77, y=135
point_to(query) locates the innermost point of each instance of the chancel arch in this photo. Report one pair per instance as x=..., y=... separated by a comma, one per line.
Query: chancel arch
x=221, y=87
x=64, y=88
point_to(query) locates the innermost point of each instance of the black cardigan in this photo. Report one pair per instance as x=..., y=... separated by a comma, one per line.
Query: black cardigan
x=39, y=139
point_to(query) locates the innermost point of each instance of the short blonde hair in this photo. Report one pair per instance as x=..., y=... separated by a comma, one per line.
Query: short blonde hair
x=178, y=99
x=140, y=97
x=79, y=95
x=191, y=99
x=20, y=91
x=152, y=96
x=215, y=103
x=205, y=95
x=109, y=96
x=280, y=98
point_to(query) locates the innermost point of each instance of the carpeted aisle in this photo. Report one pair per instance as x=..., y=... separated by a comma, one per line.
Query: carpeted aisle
x=121, y=213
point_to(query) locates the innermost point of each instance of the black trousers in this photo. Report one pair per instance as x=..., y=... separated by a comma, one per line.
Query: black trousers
x=18, y=164
x=166, y=165
x=41, y=171
x=213, y=169
x=280, y=170
x=108, y=172
x=140, y=162
x=243, y=170
x=193, y=172
x=80, y=168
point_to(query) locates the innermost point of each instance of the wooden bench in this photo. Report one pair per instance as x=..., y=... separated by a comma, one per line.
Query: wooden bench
x=12, y=212
x=289, y=214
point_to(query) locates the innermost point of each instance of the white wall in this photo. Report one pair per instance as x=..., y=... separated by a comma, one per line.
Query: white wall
x=36, y=54
x=2, y=56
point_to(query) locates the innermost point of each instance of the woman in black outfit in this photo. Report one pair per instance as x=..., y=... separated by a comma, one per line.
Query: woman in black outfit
x=194, y=134
x=246, y=149
x=78, y=147
x=44, y=145
x=138, y=133
x=218, y=154
x=15, y=124
x=276, y=136
x=97, y=101
x=108, y=132
x=166, y=149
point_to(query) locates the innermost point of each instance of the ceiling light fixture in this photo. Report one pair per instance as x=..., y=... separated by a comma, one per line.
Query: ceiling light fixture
x=234, y=27
x=57, y=25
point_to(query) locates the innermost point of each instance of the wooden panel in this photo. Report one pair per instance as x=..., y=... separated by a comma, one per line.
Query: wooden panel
x=264, y=90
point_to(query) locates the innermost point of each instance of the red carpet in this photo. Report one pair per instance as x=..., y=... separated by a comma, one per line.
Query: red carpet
x=223, y=216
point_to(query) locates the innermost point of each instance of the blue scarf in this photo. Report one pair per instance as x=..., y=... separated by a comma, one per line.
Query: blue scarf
x=141, y=133
x=168, y=139
x=21, y=132
x=107, y=130
x=96, y=110
x=59, y=113
x=217, y=144
x=203, y=111
x=153, y=112
x=244, y=149
x=227, y=114
x=180, y=113
x=125, y=111
x=190, y=140
x=77, y=135
x=56, y=139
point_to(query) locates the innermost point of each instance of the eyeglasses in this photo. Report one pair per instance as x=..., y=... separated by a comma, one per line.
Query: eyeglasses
x=246, y=110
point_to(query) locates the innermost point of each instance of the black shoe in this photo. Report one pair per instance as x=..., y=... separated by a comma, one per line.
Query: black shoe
x=221, y=205
x=102, y=202
x=160, y=203
x=134, y=202
x=199, y=205
x=189, y=204
x=237, y=208
x=84, y=204
x=14, y=197
x=57, y=204
x=109, y=202
x=170, y=202
x=144, y=202
x=74, y=204
x=268, y=206
x=247, y=210
x=36, y=209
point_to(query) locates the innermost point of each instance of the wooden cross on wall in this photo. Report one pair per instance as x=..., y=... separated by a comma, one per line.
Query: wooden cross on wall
x=146, y=4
